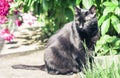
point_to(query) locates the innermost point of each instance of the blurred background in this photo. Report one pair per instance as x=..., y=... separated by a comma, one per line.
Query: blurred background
x=34, y=21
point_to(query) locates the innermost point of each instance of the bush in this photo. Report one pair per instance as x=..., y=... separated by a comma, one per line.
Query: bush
x=100, y=71
x=108, y=45
x=55, y=13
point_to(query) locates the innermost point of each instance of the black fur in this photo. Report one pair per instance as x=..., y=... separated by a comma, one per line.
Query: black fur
x=65, y=52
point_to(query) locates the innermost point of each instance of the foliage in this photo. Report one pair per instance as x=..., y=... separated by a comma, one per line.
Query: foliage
x=108, y=14
x=4, y=10
x=108, y=45
x=99, y=71
x=11, y=16
x=4, y=7
x=110, y=20
x=6, y=35
x=55, y=13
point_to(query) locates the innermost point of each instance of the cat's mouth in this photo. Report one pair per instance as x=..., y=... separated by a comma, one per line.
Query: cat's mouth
x=80, y=25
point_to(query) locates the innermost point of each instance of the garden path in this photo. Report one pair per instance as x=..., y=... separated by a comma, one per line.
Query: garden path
x=29, y=58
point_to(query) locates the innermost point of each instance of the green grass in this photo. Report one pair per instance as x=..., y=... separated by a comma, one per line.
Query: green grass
x=109, y=70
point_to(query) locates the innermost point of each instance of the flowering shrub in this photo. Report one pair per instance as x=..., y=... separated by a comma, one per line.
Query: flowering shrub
x=4, y=10
x=4, y=7
x=11, y=15
x=10, y=1
x=3, y=19
x=18, y=22
x=5, y=34
x=28, y=18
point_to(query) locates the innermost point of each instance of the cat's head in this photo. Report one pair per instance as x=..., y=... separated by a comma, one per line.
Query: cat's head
x=85, y=17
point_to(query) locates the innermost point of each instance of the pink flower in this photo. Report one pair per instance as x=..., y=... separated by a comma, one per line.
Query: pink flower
x=6, y=35
x=16, y=12
x=4, y=7
x=3, y=19
x=28, y=18
x=18, y=22
x=10, y=1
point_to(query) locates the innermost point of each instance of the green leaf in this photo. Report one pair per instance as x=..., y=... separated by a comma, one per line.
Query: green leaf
x=105, y=50
x=117, y=11
x=117, y=43
x=108, y=10
x=104, y=38
x=78, y=2
x=97, y=48
x=87, y=3
x=105, y=26
x=29, y=3
x=109, y=4
x=100, y=21
x=110, y=39
x=114, y=52
x=115, y=22
x=45, y=5
x=115, y=2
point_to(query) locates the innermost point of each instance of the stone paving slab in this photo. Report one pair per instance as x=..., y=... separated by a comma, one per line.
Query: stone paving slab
x=35, y=57
x=14, y=48
x=29, y=58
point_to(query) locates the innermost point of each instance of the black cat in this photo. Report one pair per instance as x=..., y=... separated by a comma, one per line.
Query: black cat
x=65, y=52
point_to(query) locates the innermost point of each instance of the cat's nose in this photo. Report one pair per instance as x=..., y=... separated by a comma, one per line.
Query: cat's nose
x=80, y=26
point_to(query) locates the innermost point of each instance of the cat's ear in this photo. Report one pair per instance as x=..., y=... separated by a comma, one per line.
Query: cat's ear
x=77, y=10
x=92, y=9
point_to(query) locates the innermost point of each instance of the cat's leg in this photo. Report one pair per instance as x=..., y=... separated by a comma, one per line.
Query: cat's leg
x=59, y=66
x=81, y=61
x=80, y=57
x=50, y=70
x=90, y=43
x=59, y=72
x=89, y=53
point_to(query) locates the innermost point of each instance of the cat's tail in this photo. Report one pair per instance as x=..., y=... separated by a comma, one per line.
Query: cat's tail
x=29, y=67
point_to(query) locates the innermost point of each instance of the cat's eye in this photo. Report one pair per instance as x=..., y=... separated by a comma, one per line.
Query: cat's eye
x=86, y=13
